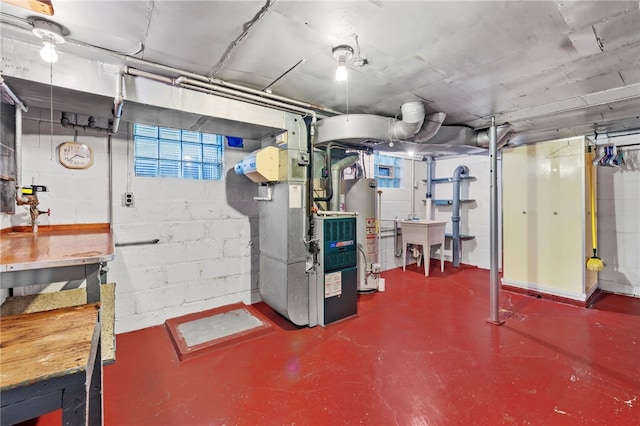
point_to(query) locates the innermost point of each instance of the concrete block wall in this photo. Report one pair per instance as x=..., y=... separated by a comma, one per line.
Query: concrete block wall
x=74, y=196
x=208, y=230
x=208, y=250
x=396, y=204
x=619, y=221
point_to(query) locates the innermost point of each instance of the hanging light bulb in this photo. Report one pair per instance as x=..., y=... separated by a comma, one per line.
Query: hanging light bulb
x=51, y=34
x=48, y=52
x=342, y=54
x=341, y=72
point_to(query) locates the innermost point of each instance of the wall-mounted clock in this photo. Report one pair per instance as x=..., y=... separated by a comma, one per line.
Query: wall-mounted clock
x=75, y=155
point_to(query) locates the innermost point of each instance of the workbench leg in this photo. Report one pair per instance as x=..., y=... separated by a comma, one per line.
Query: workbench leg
x=95, y=389
x=92, y=274
x=74, y=405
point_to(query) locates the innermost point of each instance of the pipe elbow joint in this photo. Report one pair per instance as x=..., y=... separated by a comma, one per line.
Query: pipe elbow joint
x=179, y=81
x=65, y=122
x=458, y=172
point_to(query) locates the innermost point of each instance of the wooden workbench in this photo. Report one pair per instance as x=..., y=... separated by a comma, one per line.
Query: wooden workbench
x=51, y=360
x=54, y=254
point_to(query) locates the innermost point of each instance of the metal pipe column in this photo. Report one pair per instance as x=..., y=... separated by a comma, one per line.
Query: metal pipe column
x=455, y=212
x=428, y=209
x=494, y=301
x=413, y=188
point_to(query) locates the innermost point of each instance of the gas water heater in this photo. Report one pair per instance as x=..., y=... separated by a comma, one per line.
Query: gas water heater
x=359, y=196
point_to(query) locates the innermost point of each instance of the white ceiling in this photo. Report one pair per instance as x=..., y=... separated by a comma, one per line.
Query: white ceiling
x=537, y=65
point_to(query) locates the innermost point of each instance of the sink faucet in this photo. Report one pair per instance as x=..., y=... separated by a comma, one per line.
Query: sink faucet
x=31, y=199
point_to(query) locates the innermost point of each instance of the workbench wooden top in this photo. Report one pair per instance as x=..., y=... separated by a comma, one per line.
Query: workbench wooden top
x=43, y=345
x=55, y=246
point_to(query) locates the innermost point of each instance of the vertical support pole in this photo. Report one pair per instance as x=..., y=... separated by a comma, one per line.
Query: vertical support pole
x=494, y=289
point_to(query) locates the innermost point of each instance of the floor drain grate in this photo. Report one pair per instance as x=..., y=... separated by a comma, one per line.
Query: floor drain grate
x=512, y=315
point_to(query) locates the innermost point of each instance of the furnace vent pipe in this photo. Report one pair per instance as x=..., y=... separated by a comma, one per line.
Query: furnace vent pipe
x=455, y=215
x=336, y=172
x=412, y=119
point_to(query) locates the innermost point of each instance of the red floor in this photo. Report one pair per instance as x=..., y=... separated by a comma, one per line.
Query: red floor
x=420, y=353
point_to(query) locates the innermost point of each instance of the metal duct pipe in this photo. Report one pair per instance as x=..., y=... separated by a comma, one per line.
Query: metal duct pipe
x=428, y=201
x=460, y=135
x=432, y=124
x=336, y=172
x=118, y=102
x=358, y=127
x=455, y=214
x=494, y=301
x=412, y=118
x=483, y=139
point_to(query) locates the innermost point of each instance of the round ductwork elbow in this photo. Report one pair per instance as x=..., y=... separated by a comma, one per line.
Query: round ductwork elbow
x=412, y=118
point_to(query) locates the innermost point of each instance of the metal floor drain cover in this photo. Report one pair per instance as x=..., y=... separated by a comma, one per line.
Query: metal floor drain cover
x=217, y=326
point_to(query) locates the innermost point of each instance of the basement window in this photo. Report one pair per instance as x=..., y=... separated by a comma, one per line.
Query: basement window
x=387, y=170
x=175, y=153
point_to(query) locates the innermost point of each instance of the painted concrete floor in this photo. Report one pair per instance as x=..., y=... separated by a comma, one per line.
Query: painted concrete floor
x=420, y=353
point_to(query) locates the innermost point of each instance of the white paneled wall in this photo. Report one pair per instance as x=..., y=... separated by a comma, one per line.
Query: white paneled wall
x=619, y=221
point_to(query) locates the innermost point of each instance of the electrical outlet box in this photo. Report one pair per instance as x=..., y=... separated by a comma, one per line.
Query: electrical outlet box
x=128, y=199
x=303, y=159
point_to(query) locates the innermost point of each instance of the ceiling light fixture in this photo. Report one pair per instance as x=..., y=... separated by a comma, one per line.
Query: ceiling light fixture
x=50, y=34
x=342, y=54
